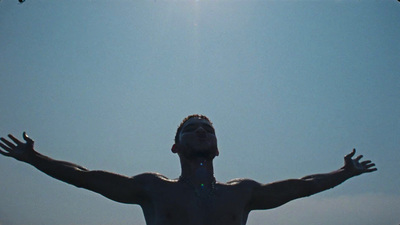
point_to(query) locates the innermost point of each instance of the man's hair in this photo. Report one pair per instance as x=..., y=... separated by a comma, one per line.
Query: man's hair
x=178, y=131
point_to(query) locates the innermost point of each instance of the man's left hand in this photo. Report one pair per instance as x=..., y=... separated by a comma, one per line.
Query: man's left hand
x=355, y=167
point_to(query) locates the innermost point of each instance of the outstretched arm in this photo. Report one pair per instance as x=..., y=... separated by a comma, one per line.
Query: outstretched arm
x=114, y=186
x=265, y=196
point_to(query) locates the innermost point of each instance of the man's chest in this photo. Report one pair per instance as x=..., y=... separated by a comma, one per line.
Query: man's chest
x=182, y=204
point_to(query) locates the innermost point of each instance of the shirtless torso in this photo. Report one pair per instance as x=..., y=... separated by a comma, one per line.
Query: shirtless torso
x=173, y=202
x=195, y=198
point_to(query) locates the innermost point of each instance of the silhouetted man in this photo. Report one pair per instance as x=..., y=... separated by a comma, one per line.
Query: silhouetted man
x=196, y=198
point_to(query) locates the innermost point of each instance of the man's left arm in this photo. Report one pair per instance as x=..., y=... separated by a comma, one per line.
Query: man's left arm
x=266, y=196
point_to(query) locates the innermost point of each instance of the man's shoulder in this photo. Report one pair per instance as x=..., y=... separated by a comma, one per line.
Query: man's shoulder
x=152, y=177
x=243, y=182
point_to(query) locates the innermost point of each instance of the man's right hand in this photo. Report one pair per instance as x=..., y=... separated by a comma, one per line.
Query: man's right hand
x=18, y=150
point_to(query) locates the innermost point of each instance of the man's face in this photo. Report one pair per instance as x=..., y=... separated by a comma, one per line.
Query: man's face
x=197, y=139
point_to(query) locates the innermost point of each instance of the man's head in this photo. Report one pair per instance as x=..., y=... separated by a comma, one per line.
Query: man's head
x=195, y=137
x=198, y=116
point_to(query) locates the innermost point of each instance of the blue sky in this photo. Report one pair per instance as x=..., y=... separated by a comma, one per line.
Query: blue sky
x=291, y=86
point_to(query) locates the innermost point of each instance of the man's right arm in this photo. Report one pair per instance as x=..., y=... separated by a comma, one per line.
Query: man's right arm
x=113, y=186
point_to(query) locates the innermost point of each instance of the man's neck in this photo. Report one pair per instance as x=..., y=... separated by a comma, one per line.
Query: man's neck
x=199, y=171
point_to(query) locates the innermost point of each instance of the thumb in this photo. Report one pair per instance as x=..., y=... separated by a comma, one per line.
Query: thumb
x=349, y=156
x=28, y=140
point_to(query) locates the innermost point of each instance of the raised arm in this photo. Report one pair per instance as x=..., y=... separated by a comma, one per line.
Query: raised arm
x=114, y=186
x=266, y=196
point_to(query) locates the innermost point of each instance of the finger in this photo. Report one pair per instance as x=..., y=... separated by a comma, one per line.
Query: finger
x=9, y=144
x=5, y=153
x=14, y=139
x=351, y=154
x=359, y=157
x=3, y=146
x=370, y=165
x=371, y=170
x=365, y=162
x=26, y=138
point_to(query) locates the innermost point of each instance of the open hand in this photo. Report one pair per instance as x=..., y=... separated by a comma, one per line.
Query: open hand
x=18, y=150
x=355, y=167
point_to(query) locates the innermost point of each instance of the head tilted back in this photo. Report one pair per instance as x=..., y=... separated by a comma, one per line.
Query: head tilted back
x=178, y=131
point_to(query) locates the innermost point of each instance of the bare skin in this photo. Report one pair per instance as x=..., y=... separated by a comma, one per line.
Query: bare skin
x=195, y=198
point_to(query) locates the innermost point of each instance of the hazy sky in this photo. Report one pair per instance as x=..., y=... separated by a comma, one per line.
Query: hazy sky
x=291, y=86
